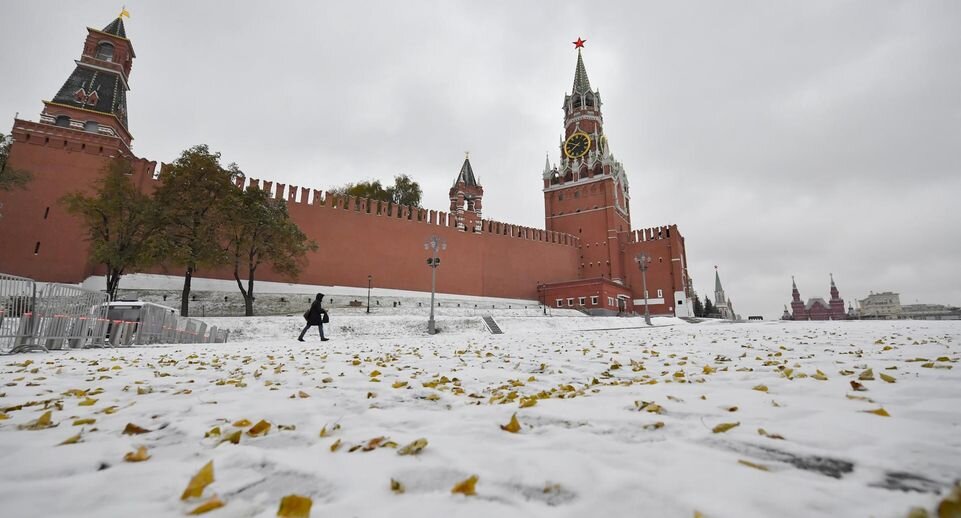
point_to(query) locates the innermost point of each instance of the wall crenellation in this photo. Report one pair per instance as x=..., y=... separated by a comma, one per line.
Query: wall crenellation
x=378, y=208
x=652, y=234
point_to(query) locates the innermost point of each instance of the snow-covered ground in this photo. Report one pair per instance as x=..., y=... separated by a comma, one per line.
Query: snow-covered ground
x=615, y=420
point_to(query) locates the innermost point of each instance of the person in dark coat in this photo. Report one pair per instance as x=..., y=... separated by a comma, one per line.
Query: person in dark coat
x=315, y=317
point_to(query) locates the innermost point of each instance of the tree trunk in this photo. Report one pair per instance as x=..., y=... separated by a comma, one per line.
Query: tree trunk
x=185, y=297
x=113, y=282
x=249, y=296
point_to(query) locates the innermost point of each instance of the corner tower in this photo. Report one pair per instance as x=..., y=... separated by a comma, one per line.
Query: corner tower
x=587, y=194
x=466, y=198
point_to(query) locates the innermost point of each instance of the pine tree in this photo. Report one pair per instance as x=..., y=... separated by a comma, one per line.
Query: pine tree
x=119, y=220
x=698, y=307
x=260, y=231
x=708, y=307
x=192, y=213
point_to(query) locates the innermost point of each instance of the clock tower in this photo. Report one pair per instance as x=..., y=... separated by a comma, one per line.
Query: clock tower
x=586, y=194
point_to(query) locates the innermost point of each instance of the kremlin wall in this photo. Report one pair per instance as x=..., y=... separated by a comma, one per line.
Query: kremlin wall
x=585, y=258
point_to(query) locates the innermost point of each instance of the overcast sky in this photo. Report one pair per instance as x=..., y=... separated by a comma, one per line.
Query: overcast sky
x=784, y=138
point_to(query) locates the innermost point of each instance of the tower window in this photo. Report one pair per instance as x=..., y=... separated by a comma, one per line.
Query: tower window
x=105, y=51
x=46, y=213
x=91, y=126
x=63, y=121
x=36, y=248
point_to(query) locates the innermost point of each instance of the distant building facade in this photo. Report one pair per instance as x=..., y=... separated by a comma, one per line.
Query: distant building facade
x=880, y=306
x=931, y=312
x=816, y=308
x=722, y=304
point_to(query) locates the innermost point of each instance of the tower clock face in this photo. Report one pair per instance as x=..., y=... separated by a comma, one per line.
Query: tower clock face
x=577, y=145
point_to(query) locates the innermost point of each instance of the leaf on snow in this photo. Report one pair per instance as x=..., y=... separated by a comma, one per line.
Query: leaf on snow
x=81, y=422
x=71, y=440
x=243, y=423
x=761, y=388
x=764, y=433
x=335, y=446
x=513, y=426
x=42, y=422
x=879, y=411
x=723, y=427
x=87, y=402
x=213, y=432
x=233, y=438
x=887, y=377
x=753, y=465
x=466, y=487
x=132, y=429
x=295, y=506
x=858, y=387
x=202, y=479
x=397, y=487
x=137, y=456
x=261, y=428
x=214, y=503
x=867, y=375
x=413, y=448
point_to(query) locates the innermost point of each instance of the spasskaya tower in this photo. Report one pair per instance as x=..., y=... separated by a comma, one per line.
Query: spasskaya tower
x=586, y=194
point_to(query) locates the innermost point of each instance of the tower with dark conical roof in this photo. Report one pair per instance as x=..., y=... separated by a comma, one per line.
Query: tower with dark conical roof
x=466, y=199
x=94, y=97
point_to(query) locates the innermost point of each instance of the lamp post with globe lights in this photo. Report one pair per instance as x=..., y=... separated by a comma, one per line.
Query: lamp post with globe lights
x=642, y=261
x=370, y=279
x=434, y=244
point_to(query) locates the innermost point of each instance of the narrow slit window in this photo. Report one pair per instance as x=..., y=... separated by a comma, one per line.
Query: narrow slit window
x=36, y=249
x=46, y=213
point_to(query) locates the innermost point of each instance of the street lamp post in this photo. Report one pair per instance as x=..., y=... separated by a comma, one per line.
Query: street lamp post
x=370, y=278
x=434, y=244
x=642, y=261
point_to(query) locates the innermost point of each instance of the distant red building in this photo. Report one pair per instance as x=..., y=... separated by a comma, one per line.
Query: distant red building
x=816, y=308
x=585, y=257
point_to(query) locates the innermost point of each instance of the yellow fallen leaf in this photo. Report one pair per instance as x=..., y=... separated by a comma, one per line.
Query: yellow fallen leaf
x=374, y=443
x=413, y=448
x=71, y=440
x=709, y=370
x=87, y=402
x=81, y=422
x=731, y=408
x=202, y=479
x=950, y=507
x=879, y=411
x=397, y=487
x=466, y=487
x=761, y=388
x=887, y=377
x=144, y=390
x=399, y=384
x=3, y=416
x=303, y=395
x=867, y=375
x=75, y=393
x=42, y=422
x=233, y=438
x=374, y=374
x=335, y=446
x=213, y=432
x=528, y=402
x=132, y=429
x=243, y=423
x=819, y=376
x=764, y=433
x=261, y=428
x=753, y=465
x=858, y=387
x=137, y=456
x=110, y=410
x=723, y=427
x=654, y=426
x=295, y=506
x=513, y=426
x=214, y=503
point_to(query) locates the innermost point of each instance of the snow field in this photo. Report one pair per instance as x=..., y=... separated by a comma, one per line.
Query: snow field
x=611, y=422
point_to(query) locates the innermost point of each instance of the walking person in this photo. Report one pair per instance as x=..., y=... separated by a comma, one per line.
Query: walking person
x=315, y=316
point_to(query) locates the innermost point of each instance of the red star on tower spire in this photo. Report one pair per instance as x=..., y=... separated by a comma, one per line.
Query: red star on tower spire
x=579, y=43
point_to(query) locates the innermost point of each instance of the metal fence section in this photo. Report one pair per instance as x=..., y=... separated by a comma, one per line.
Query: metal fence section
x=67, y=317
x=17, y=295
x=60, y=317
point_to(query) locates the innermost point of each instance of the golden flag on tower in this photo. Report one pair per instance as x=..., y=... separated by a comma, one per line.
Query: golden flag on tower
x=124, y=13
